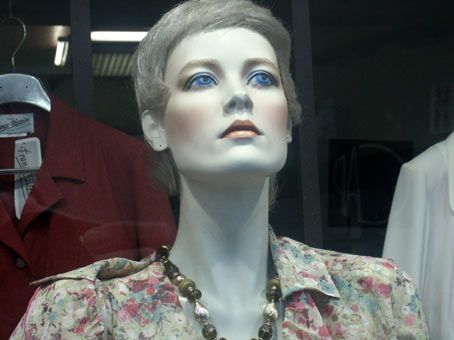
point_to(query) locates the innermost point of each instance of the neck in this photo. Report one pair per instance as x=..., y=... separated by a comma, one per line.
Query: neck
x=222, y=239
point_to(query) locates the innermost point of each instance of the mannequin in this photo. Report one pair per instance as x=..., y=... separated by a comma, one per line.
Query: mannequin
x=224, y=173
x=221, y=119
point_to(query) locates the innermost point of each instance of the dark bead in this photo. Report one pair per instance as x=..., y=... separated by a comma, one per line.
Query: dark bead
x=265, y=331
x=273, y=295
x=170, y=269
x=194, y=295
x=163, y=251
x=209, y=331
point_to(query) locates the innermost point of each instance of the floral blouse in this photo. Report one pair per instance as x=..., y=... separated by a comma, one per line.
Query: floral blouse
x=326, y=295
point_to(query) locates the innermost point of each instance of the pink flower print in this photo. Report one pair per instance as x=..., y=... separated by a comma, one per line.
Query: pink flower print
x=410, y=320
x=81, y=328
x=355, y=308
x=367, y=283
x=170, y=298
x=328, y=310
x=340, y=331
x=138, y=286
x=132, y=308
x=122, y=314
x=150, y=290
x=388, y=264
x=384, y=289
x=323, y=331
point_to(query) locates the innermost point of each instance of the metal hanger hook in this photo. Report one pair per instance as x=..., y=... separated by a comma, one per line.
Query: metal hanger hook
x=24, y=35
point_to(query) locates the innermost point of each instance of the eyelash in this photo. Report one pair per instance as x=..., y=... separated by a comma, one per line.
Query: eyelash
x=190, y=82
x=272, y=80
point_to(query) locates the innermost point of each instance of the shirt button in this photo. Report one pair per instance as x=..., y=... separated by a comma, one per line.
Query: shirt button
x=20, y=263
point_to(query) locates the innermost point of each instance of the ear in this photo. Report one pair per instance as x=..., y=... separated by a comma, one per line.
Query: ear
x=289, y=130
x=154, y=132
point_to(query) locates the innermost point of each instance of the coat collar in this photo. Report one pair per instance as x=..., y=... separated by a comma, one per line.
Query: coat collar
x=64, y=153
x=300, y=267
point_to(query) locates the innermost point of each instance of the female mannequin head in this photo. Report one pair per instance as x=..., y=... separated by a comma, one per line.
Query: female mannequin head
x=189, y=19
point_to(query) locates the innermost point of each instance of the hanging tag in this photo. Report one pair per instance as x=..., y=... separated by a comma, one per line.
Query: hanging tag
x=27, y=154
x=17, y=125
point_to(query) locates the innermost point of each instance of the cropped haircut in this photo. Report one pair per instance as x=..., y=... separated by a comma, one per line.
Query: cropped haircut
x=186, y=19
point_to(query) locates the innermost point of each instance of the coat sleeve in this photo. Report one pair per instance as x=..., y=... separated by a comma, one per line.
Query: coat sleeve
x=64, y=309
x=406, y=239
x=409, y=319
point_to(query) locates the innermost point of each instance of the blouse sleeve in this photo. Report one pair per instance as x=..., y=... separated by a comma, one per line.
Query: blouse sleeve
x=64, y=309
x=407, y=309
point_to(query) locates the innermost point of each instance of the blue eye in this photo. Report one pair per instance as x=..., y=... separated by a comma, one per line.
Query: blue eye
x=261, y=79
x=200, y=80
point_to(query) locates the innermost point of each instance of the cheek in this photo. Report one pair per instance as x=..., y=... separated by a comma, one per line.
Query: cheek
x=184, y=119
x=274, y=110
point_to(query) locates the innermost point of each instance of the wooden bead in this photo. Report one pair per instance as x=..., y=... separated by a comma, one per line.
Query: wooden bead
x=186, y=287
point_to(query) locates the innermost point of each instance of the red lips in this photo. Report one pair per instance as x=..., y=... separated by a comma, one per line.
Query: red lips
x=241, y=129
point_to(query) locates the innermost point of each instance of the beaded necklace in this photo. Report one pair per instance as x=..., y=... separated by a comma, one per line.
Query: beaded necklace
x=188, y=289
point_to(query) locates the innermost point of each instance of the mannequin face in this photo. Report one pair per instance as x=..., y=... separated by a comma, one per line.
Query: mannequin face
x=227, y=111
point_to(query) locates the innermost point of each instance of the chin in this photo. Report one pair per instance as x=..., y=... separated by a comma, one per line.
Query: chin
x=240, y=170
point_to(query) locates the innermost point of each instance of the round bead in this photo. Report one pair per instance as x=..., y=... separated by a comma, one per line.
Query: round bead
x=194, y=295
x=274, y=283
x=178, y=279
x=265, y=331
x=163, y=251
x=209, y=331
x=186, y=287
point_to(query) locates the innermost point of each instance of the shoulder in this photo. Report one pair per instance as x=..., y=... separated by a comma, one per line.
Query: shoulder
x=431, y=163
x=75, y=304
x=359, y=266
x=378, y=278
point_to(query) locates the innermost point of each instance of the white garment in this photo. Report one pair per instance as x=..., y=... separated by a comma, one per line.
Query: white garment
x=420, y=234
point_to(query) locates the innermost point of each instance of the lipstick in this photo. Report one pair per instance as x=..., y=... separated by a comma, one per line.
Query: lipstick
x=241, y=129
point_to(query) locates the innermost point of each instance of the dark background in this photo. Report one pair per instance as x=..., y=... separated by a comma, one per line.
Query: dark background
x=375, y=66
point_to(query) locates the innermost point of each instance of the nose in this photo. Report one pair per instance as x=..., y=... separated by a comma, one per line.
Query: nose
x=240, y=102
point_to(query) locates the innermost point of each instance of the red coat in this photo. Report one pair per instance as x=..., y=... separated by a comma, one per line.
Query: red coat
x=92, y=200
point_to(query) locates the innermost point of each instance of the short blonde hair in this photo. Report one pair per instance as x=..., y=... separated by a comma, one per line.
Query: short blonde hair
x=189, y=18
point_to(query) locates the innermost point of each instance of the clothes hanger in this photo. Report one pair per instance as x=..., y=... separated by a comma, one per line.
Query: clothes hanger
x=21, y=88
x=18, y=87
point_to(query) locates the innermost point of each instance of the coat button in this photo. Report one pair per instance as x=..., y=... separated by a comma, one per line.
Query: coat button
x=20, y=263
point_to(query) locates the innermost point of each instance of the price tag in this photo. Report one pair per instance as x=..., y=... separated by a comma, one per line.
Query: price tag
x=27, y=154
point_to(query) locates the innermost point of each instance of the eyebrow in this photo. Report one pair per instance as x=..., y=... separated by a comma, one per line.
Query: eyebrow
x=207, y=63
x=250, y=63
x=215, y=66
